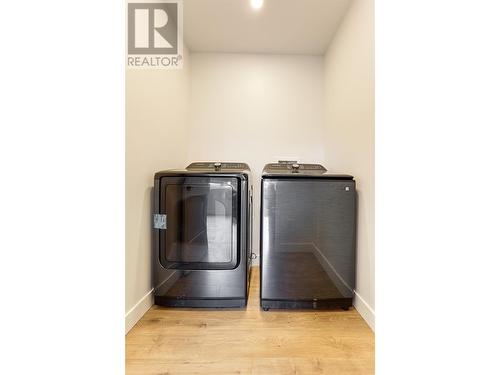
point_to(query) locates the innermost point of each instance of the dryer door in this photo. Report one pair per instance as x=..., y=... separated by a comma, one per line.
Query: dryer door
x=201, y=223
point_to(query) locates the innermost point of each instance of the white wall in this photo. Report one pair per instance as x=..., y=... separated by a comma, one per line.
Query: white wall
x=156, y=139
x=255, y=108
x=349, y=94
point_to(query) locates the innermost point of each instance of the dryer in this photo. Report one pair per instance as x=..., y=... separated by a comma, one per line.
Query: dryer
x=308, y=237
x=202, y=224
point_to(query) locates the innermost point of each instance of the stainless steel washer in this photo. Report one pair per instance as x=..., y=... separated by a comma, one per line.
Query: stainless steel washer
x=308, y=237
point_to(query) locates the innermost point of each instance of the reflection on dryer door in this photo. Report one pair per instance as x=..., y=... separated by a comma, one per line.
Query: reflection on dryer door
x=201, y=224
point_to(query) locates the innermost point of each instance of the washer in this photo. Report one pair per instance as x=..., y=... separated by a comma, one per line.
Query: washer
x=202, y=224
x=308, y=232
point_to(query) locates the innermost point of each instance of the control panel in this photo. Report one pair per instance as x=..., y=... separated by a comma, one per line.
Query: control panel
x=294, y=166
x=216, y=166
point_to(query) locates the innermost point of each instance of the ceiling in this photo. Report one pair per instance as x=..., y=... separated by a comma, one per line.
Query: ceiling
x=280, y=26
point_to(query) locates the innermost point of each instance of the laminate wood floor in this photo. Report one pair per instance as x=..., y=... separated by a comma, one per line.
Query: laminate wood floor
x=249, y=341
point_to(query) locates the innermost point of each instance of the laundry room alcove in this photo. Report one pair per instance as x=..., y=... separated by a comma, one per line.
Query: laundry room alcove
x=255, y=87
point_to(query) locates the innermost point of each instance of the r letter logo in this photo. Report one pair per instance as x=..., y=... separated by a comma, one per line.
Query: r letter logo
x=155, y=34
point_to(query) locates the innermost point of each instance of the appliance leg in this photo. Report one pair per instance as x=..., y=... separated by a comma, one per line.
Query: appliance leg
x=265, y=308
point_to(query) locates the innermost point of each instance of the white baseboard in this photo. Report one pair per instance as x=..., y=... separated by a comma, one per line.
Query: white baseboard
x=365, y=310
x=138, y=310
